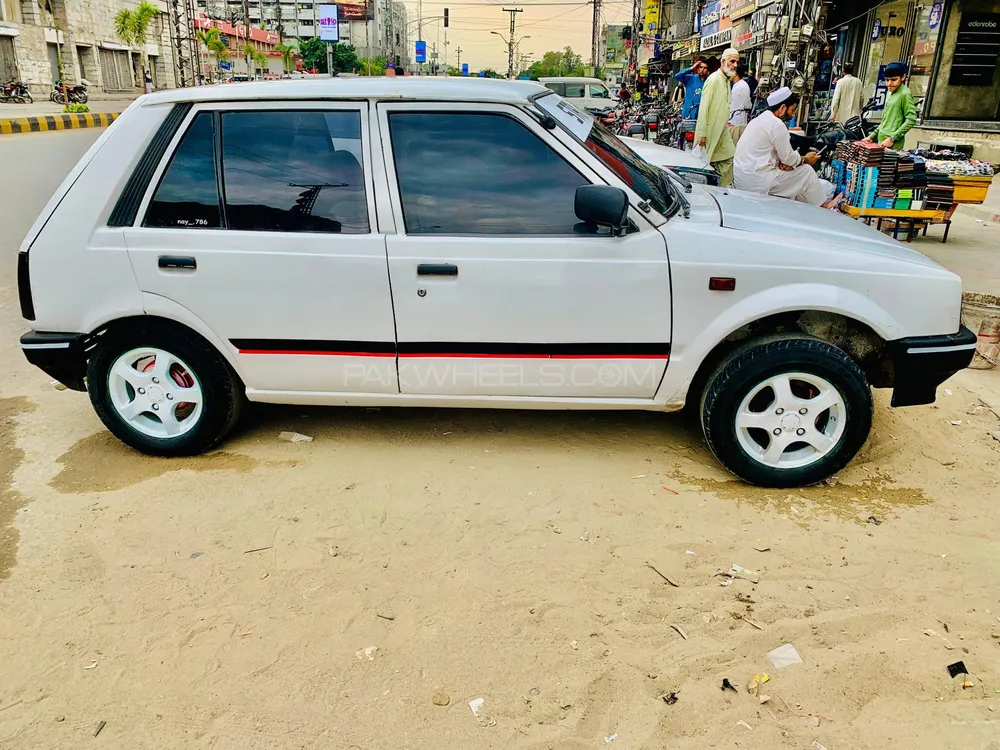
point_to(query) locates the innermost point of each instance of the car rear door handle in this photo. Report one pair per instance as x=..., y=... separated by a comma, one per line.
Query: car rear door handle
x=437, y=269
x=175, y=261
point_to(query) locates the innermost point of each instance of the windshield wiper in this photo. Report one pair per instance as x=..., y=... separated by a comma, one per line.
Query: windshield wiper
x=669, y=186
x=680, y=178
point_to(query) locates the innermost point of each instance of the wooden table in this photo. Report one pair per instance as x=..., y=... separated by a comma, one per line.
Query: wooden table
x=901, y=217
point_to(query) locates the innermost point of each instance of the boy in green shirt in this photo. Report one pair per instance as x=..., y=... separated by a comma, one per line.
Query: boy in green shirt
x=900, y=112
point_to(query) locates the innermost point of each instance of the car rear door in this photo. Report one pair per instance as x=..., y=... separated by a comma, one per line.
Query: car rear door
x=497, y=290
x=260, y=223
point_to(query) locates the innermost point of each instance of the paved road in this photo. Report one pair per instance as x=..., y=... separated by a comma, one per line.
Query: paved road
x=34, y=164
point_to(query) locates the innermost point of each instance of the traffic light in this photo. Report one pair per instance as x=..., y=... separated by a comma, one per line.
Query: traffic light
x=627, y=33
x=446, y=18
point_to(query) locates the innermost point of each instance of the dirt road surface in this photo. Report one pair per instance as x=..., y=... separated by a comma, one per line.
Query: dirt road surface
x=231, y=601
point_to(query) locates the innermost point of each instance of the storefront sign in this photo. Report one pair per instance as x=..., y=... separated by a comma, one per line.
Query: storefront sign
x=328, y=23
x=742, y=35
x=880, y=30
x=651, y=19
x=977, y=50
x=740, y=8
x=934, y=20
x=718, y=39
x=356, y=12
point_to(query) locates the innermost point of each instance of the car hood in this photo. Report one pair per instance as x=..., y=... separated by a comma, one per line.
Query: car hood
x=751, y=212
x=663, y=156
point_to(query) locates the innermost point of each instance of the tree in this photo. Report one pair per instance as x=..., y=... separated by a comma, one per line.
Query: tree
x=490, y=73
x=453, y=71
x=255, y=58
x=313, y=52
x=556, y=63
x=132, y=27
x=212, y=39
x=287, y=55
x=371, y=66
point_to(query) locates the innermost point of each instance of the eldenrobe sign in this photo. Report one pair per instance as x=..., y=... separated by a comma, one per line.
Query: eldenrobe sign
x=328, y=23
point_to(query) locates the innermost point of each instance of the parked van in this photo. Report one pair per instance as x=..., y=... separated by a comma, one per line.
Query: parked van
x=584, y=93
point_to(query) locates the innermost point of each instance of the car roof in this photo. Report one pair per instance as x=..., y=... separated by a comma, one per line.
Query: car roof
x=409, y=87
x=570, y=79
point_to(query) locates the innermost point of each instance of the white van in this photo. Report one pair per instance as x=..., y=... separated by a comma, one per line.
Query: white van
x=584, y=93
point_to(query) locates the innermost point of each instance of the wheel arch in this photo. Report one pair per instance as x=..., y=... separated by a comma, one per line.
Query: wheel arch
x=857, y=338
x=201, y=332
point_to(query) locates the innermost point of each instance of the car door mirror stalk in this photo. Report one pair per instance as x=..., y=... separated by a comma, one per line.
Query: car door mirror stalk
x=602, y=206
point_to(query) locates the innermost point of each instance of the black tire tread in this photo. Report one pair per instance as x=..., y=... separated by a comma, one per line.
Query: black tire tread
x=219, y=417
x=758, y=355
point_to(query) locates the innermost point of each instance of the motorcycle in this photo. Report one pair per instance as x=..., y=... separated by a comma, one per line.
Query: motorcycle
x=74, y=94
x=15, y=91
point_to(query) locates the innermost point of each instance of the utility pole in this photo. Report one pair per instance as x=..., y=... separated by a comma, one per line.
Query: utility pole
x=595, y=41
x=510, y=43
x=459, y=51
x=633, y=51
x=246, y=31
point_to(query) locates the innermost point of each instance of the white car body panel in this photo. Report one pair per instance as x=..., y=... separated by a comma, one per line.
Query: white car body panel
x=648, y=286
x=663, y=156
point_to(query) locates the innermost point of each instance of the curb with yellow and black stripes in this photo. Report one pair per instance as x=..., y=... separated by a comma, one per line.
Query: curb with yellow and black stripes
x=56, y=122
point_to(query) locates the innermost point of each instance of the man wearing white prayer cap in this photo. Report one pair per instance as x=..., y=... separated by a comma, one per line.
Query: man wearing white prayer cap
x=712, y=130
x=765, y=161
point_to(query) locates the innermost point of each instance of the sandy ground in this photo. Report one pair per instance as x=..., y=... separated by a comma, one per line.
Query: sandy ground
x=226, y=602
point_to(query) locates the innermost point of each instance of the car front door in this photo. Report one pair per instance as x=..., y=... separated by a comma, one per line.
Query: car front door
x=259, y=223
x=498, y=290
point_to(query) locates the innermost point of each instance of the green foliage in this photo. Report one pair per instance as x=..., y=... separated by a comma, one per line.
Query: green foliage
x=453, y=71
x=555, y=63
x=76, y=108
x=490, y=73
x=371, y=66
x=212, y=39
x=132, y=24
x=313, y=51
x=287, y=55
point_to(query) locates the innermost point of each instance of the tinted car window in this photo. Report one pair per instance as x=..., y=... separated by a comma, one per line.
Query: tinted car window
x=559, y=88
x=599, y=92
x=575, y=91
x=188, y=195
x=480, y=174
x=294, y=171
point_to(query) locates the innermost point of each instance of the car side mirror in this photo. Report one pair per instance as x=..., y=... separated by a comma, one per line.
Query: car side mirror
x=602, y=206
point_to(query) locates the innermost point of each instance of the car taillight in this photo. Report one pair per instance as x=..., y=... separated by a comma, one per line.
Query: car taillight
x=689, y=136
x=652, y=126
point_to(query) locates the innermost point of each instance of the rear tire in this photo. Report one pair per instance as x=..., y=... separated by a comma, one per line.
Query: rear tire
x=161, y=391
x=786, y=411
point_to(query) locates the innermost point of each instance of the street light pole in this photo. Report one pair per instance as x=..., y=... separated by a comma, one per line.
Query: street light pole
x=510, y=44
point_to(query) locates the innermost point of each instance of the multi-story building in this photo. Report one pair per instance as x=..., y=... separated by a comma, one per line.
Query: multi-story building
x=237, y=38
x=43, y=41
x=614, y=51
x=376, y=28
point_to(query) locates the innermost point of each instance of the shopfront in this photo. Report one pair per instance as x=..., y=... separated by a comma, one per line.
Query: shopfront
x=716, y=27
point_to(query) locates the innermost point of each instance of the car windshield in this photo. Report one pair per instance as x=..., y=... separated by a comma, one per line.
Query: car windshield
x=641, y=176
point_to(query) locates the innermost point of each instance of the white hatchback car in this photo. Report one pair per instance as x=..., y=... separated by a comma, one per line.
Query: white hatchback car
x=426, y=242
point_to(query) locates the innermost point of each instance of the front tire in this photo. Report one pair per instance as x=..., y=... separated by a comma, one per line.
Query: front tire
x=161, y=391
x=786, y=412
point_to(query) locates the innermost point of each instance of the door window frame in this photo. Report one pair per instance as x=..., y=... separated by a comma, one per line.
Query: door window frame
x=384, y=109
x=217, y=109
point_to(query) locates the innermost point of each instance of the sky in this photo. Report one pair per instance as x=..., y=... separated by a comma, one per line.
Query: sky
x=550, y=24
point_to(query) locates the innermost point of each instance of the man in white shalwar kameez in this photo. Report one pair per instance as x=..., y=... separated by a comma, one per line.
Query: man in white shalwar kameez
x=765, y=161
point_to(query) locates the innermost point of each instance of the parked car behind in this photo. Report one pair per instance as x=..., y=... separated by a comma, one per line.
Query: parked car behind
x=584, y=93
x=424, y=242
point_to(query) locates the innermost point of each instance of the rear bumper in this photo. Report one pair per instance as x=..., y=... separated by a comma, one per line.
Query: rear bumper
x=60, y=355
x=922, y=363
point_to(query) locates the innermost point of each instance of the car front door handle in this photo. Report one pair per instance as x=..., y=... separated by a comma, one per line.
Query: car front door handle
x=177, y=262
x=437, y=269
